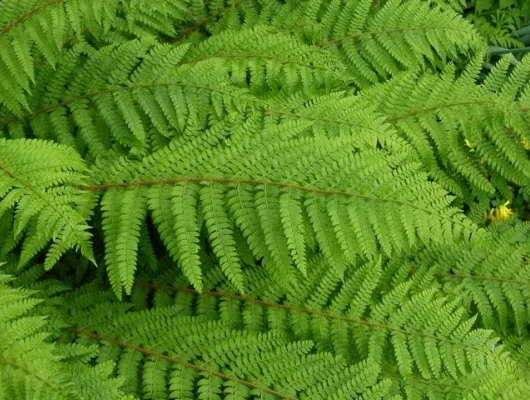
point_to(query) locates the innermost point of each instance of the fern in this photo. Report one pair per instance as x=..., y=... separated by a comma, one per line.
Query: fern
x=261, y=199
x=250, y=192
x=373, y=43
x=490, y=275
x=357, y=325
x=38, y=190
x=33, y=367
x=484, y=157
x=212, y=353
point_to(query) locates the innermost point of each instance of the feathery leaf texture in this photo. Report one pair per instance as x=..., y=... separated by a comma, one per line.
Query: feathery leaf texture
x=32, y=367
x=242, y=199
x=492, y=276
x=348, y=214
x=262, y=347
x=38, y=191
x=484, y=153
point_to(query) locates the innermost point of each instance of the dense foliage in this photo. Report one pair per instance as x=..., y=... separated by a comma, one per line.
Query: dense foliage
x=263, y=199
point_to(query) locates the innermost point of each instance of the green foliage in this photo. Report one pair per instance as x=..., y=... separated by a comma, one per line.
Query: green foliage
x=469, y=137
x=503, y=23
x=263, y=189
x=261, y=199
x=38, y=187
x=32, y=366
x=360, y=317
x=498, y=20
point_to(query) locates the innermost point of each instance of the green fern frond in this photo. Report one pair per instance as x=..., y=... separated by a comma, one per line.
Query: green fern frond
x=145, y=104
x=467, y=136
x=72, y=93
x=358, y=318
x=117, y=103
x=197, y=358
x=491, y=276
x=392, y=213
x=263, y=58
x=201, y=356
x=246, y=185
x=375, y=43
x=32, y=367
x=39, y=192
x=32, y=28
x=35, y=29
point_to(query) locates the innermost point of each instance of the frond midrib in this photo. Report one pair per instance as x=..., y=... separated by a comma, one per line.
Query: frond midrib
x=28, y=14
x=279, y=184
x=301, y=310
x=174, y=360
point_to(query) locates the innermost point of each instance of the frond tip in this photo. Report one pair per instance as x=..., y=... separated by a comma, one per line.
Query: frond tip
x=38, y=188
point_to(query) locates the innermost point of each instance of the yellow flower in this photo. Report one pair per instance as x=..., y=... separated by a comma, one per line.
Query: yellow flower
x=500, y=213
x=526, y=144
x=468, y=144
x=503, y=212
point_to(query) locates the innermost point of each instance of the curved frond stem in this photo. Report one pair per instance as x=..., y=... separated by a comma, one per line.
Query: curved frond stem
x=435, y=108
x=261, y=182
x=90, y=95
x=250, y=57
x=360, y=36
x=28, y=14
x=319, y=119
x=307, y=311
x=174, y=360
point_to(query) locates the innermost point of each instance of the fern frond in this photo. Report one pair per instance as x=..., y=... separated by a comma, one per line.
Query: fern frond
x=394, y=212
x=244, y=186
x=31, y=367
x=118, y=104
x=465, y=135
x=423, y=342
x=38, y=189
x=375, y=43
x=35, y=29
x=197, y=357
x=38, y=28
x=145, y=104
x=265, y=59
x=491, y=276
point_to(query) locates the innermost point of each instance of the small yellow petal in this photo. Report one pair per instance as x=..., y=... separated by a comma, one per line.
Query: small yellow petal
x=470, y=145
x=500, y=213
x=503, y=212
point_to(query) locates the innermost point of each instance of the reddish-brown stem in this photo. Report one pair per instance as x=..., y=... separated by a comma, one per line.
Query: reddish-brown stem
x=25, y=16
x=126, y=345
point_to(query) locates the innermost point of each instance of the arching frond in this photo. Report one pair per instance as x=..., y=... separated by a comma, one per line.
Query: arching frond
x=257, y=346
x=262, y=184
x=465, y=135
x=491, y=276
x=359, y=318
x=31, y=367
x=39, y=197
x=374, y=43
